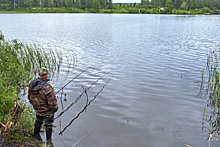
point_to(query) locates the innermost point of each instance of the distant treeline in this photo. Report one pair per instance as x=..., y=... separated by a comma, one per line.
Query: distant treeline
x=66, y=4
x=106, y=6
x=213, y=5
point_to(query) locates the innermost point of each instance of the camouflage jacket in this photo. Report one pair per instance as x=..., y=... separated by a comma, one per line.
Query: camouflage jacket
x=42, y=97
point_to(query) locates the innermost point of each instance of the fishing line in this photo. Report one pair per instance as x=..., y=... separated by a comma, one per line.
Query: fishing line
x=73, y=102
x=72, y=79
x=84, y=109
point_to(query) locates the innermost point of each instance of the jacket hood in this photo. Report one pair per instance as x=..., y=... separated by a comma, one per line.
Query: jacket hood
x=38, y=84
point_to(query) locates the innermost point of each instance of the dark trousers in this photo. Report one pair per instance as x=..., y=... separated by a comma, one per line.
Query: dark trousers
x=48, y=120
x=48, y=124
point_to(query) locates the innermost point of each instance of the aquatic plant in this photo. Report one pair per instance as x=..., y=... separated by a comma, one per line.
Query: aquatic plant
x=19, y=63
x=33, y=57
x=210, y=91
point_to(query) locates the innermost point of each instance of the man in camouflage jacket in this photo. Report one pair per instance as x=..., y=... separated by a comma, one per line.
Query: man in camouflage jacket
x=43, y=99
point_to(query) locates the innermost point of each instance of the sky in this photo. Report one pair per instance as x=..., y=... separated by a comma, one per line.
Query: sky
x=126, y=1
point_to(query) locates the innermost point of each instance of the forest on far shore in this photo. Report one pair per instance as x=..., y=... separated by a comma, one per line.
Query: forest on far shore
x=107, y=6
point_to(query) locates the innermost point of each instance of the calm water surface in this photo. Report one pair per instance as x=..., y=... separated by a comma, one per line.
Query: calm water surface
x=152, y=99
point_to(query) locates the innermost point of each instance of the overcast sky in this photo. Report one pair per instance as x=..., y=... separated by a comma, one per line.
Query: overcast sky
x=126, y=1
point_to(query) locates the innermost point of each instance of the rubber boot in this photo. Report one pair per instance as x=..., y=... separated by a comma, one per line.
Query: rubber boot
x=49, y=144
x=49, y=133
x=37, y=128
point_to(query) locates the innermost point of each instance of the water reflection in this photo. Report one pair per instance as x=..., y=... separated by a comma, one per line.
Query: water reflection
x=148, y=102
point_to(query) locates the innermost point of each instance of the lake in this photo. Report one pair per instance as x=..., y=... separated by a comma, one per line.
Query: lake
x=151, y=101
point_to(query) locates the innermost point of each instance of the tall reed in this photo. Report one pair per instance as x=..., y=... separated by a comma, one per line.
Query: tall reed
x=210, y=83
x=19, y=64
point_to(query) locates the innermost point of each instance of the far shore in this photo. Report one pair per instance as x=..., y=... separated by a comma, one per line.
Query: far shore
x=107, y=11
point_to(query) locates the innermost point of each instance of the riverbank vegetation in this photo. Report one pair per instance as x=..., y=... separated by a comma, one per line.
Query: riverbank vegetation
x=210, y=91
x=19, y=63
x=106, y=6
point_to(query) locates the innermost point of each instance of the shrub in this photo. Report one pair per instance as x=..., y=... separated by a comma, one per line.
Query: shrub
x=145, y=11
x=133, y=11
x=7, y=95
x=18, y=63
x=216, y=11
x=12, y=70
x=197, y=11
x=12, y=75
x=164, y=11
x=155, y=11
x=150, y=6
x=206, y=10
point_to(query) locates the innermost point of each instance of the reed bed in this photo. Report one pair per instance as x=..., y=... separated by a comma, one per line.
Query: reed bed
x=210, y=91
x=19, y=64
x=33, y=57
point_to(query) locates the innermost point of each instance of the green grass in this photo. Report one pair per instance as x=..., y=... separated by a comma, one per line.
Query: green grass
x=210, y=91
x=91, y=10
x=44, y=10
x=19, y=64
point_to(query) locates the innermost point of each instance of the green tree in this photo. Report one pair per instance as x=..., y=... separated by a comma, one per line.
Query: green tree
x=147, y=2
x=61, y=3
x=200, y=4
x=152, y=3
x=216, y=3
x=209, y=4
x=110, y=4
x=169, y=5
x=30, y=3
x=183, y=6
x=45, y=3
x=51, y=4
x=78, y=4
x=102, y=3
x=0, y=4
x=70, y=4
x=157, y=3
x=206, y=10
x=162, y=3
x=89, y=3
x=95, y=4
x=150, y=6
x=192, y=4
x=177, y=3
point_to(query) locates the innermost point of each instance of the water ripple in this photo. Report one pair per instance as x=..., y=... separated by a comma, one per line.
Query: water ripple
x=154, y=59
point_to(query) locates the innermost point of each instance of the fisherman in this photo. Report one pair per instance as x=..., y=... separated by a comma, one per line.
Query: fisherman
x=41, y=95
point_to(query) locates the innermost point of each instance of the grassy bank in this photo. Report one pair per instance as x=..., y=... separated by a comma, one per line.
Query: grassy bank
x=19, y=63
x=128, y=10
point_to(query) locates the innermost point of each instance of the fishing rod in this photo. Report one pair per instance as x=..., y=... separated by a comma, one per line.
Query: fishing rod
x=73, y=102
x=84, y=109
x=72, y=80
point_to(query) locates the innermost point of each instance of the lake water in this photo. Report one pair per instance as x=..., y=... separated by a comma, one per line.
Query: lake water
x=151, y=101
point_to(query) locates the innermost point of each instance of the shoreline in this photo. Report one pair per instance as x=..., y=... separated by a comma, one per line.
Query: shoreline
x=27, y=143
x=132, y=10
x=17, y=12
